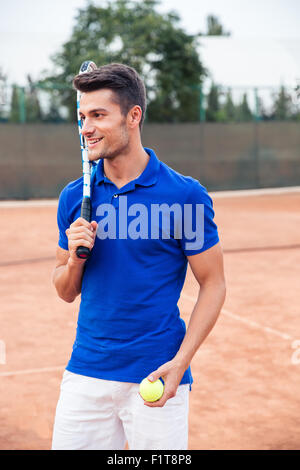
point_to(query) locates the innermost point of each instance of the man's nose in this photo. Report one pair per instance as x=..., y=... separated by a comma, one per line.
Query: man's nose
x=87, y=127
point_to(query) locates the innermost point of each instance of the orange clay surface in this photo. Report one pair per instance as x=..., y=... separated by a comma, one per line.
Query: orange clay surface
x=246, y=373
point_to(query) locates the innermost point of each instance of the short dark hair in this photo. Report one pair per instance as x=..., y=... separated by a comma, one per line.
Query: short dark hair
x=124, y=81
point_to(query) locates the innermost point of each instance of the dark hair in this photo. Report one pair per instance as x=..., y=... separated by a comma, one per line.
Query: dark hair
x=124, y=81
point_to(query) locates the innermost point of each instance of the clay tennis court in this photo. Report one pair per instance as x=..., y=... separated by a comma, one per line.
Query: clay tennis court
x=247, y=372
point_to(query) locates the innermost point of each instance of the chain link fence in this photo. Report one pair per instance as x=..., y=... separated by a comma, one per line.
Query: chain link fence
x=38, y=160
x=37, y=103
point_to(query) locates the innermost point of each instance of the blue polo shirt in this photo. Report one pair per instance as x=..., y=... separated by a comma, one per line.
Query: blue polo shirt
x=128, y=322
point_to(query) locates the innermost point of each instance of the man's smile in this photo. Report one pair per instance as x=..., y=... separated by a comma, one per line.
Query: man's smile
x=92, y=142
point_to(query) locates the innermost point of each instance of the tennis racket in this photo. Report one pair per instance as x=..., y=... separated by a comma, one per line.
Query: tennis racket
x=86, y=206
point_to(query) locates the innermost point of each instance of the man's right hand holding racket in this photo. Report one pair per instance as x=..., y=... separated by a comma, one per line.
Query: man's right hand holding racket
x=67, y=275
x=81, y=233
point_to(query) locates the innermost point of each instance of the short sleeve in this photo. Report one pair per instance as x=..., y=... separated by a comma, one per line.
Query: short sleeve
x=199, y=232
x=63, y=219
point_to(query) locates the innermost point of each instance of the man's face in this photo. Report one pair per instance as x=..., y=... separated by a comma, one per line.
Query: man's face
x=103, y=126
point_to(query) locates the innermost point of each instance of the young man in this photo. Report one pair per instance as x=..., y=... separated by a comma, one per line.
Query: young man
x=148, y=223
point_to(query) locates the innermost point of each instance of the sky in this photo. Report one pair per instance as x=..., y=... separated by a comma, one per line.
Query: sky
x=32, y=30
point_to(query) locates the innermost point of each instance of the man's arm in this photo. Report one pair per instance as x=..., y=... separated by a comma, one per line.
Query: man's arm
x=67, y=274
x=208, y=269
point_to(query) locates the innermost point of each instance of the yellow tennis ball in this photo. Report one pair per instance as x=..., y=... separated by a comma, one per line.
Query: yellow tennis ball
x=151, y=391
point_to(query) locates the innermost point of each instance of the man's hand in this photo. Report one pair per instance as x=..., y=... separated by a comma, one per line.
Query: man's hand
x=80, y=233
x=171, y=372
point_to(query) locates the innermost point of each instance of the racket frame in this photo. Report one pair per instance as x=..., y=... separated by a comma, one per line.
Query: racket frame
x=86, y=206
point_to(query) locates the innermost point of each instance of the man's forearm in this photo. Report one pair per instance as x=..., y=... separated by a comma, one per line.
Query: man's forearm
x=67, y=280
x=202, y=320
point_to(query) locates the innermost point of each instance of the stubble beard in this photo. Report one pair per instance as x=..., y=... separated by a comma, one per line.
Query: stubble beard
x=120, y=147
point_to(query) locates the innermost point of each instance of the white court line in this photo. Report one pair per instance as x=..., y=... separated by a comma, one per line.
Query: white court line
x=215, y=194
x=30, y=203
x=31, y=371
x=255, y=192
x=248, y=322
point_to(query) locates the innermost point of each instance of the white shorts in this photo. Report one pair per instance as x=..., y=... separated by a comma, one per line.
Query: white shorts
x=94, y=414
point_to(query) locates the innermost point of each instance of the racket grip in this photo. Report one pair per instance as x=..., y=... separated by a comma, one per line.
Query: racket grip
x=86, y=209
x=86, y=212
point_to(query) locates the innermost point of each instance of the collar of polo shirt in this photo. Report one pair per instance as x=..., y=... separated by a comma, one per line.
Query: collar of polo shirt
x=147, y=178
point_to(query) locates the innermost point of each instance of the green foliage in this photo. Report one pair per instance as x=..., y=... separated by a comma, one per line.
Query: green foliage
x=32, y=104
x=25, y=106
x=134, y=33
x=213, y=103
x=53, y=114
x=14, y=107
x=214, y=27
x=243, y=112
x=227, y=112
x=3, y=84
x=283, y=106
x=229, y=108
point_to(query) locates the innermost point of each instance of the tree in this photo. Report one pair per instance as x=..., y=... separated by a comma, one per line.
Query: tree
x=14, y=115
x=229, y=108
x=243, y=111
x=53, y=114
x=214, y=27
x=134, y=33
x=213, y=103
x=33, y=108
x=263, y=112
x=3, y=84
x=283, y=105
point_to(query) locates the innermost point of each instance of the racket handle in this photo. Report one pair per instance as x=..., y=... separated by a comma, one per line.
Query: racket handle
x=83, y=252
x=86, y=209
x=86, y=212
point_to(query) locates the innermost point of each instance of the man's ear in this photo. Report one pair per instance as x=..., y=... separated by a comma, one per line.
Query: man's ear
x=134, y=116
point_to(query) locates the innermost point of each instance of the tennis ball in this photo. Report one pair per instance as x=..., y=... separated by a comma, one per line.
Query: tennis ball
x=151, y=391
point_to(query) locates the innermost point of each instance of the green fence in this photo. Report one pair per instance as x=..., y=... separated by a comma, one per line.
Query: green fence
x=38, y=160
x=42, y=103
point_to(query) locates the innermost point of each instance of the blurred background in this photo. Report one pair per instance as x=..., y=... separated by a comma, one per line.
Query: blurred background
x=222, y=78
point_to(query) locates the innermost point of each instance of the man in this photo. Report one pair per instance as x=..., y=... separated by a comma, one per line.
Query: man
x=148, y=223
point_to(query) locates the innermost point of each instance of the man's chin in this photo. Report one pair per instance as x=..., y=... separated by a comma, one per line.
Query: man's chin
x=93, y=157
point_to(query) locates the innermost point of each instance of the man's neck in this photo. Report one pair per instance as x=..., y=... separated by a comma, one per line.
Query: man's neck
x=126, y=167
